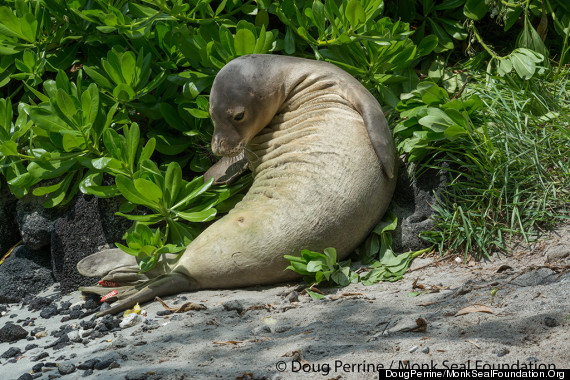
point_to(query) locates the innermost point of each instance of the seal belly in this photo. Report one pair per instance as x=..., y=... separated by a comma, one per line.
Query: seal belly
x=312, y=189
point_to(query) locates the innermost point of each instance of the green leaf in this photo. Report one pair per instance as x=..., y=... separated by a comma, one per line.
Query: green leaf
x=475, y=9
x=9, y=148
x=505, y=66
x=148, y=190
x=124, y=92
x=529, y=39
x=244, y=42
x=130, y=192
x=173, y=181
x=98, y=78
x=289, y=41
x=314, y=295
x=197, y=217
x=355, y=13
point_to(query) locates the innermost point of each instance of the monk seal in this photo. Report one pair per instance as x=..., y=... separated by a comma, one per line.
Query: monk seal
x=323, y=161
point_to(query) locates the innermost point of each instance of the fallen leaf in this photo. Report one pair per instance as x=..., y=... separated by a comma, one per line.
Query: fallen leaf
x=415, y=285
x=421, y=326
x=346, y=295
x=267, y=307
x=134, y=310
x=188, y=306
x=234, y=342
x=474, y=309
x=473, y=343
x=503, y=268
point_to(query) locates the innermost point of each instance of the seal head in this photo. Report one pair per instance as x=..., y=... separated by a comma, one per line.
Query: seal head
x=239, y=107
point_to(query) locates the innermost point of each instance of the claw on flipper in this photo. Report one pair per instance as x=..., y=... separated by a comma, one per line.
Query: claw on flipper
x=164, y=285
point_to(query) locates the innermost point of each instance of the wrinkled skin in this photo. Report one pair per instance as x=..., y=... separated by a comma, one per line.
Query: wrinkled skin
x=324, y=173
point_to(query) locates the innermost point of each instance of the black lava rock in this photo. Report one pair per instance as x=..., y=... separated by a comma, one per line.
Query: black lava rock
x=550, y=322
x=66, y=368
x=233, y=305
x=40, y=357
x=37, y=367
x=11, y=333
x=9, y=232
x=24, y=273
x=89, y=364
x=39, y=303
x=26, y=376
x=88, y=372
x=162, y=313
x=90, y=304
x=89, y=225
x=103, y=364
x=11, y=352
x=31, y=347
x=49, y=312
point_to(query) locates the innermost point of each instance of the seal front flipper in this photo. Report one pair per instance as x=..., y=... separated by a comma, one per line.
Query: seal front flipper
x=164, y=285
x=378, y=131
x=227, y=169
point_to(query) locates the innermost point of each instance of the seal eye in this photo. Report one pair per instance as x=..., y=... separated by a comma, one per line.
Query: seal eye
x=239, y=116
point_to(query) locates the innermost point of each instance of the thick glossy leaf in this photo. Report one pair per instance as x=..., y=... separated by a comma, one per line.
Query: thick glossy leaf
x=197, y=217
x=130, y=192
x=124, y=92
x=149, y=190
x=475, y=9
x=244, y=42
x=355, y=13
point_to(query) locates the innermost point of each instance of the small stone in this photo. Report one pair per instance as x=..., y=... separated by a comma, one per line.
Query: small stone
x=413, y=349
x=89, y=364
x=114, y=365
x=260, y=330
x=11, y=352
x=11, y=333
x=26, y=376
x=293, y=296
x=49, y=312
x=39, y=303
x=103, y=364
x=88, y=325
x=40, y=356
x=66, y=368
x=90, y=304
x=532, y=359
x=425, y=350
x=131, y=320
x=41, y=334
x=37, y=367
x=233, y=305
x=281, y=329
x=550, y=322
x=74, y=336
x=30, y=347
x=104, y=307
x=88, y=372
x=502, y=352
x=162, y=313
x=75, y=314
x=51, y=364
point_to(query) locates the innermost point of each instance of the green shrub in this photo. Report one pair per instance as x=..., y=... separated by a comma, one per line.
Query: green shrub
x=98, y=94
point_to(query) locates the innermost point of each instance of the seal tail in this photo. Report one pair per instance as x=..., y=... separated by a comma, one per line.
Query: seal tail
x=164, y=285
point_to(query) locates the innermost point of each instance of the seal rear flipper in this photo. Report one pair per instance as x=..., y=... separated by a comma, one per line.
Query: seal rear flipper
x=163, y=285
